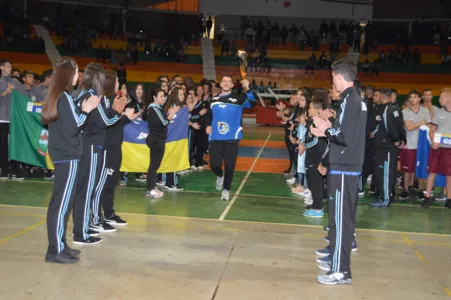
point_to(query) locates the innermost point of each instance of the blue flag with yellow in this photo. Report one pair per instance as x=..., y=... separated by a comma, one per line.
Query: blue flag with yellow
x=136, y=154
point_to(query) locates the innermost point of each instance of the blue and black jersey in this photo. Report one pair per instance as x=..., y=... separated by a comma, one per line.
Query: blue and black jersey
x=225, y=115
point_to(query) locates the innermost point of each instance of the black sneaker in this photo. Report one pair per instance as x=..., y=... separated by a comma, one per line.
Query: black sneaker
x=115, y=220
x=426, y=202
x=335, y=278
x=307, y=207
x=92, y=232
x=89, y=241
x=205, y=163
x=420, y=195
x=404, y=196
x=102, y=227
x=448, y=203
x=62, y=258
x=72, y=252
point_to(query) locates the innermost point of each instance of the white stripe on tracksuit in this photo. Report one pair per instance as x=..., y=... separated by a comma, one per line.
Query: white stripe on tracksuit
x=63, y=207
x=92, y=178
x=338, y=226
x=96, y=203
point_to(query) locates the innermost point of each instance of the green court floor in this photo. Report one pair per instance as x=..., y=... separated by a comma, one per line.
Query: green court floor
x=264, y=197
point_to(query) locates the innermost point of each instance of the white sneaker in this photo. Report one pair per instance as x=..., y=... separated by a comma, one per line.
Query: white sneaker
x=154, y=194
x=219, y=183
x=225, y=195
x=308, y=201
x=200, y=168
x=291, y=181
x=306, y=193
x=194, y=168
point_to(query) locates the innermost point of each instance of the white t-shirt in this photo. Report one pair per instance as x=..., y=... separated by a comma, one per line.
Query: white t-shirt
x=415, y=117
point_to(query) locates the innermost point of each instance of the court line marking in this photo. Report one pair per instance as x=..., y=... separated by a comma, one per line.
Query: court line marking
x=421, y=257
x=252, y=222
x=4, y=240
x=243, y=182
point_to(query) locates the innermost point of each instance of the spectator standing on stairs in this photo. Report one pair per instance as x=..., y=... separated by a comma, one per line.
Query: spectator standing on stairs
x=209, y=26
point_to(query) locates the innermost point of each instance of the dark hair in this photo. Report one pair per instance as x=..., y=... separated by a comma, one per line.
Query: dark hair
x=110, y=84
x=195, y=89
x=155, y=92
x=46, y=74
x=134, y=96
x=393, y=91
x=427, y=90
x=15, y=70
x=4, y=61
x=62, y=79
x=414, y=92
x=318, y=104
x=175, y=76
x=371, y=88
x=93, y=78
x=360, y=89
x=386, y=92
x=228, y=77
x=173, y=98
x=345, y=68
x=26, y=73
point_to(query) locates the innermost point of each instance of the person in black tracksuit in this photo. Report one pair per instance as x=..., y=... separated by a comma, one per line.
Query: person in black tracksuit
x=388, y=137
x=290, y=128
x=65, y=122
x=198, y=136
x=156, y=140
x=346, y=153
x=315, y=150
x=92, y=166
x=113, y=153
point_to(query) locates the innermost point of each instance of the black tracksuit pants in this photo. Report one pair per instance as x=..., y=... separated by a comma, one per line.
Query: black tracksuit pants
x=227, y=152
x=368, y=168
x=316, y=186
x=157, y=147
x=342, y=187
x=113, y=160
x=89, y=174
x=385, y=170
x=63, y=196
x=200, y=146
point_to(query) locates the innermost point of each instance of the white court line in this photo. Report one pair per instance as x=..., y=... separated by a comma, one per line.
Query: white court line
x=226, y=210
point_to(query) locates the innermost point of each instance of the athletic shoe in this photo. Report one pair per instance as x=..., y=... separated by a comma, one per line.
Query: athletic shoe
x=361, y=193
x=115, y=220
x=62, y=258
x=308, y=201
x=49, y=176
x=225, y=195
x=194, y=168
x=426, y=202
x=103, y=227
x=200, y=168
x=161, y=183
x=313, y=213
x=325, y=266
x=332, y=278
x=307, y=207
x=326, y=228
x=441, y=197
x=17, y=178
x=174, y=188
x=92, y=232
x=205, y=163
x=89, y=241
x=448, y=203
x=354, y=246
x=4, y=177
x=324, y=259
x=327, y=239
x=291, y=181
x=323, y=252
x=71, y=252
x=372, y=192
x=287, y=171
x=219, y=183
x=420, y=195
x=123, y=183
x=404, y=196
x=378, y=204
x=154, y=194
x=306, y=194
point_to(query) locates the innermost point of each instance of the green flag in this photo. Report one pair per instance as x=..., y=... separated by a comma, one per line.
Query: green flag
x=28, y=139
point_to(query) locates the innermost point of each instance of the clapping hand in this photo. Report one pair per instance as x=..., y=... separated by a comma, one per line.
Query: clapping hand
x=91, y=103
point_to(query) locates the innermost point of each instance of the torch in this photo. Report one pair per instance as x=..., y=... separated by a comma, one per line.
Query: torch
x=242, y=55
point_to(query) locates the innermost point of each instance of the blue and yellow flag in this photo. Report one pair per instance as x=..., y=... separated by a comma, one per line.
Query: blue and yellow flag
x=136, y=154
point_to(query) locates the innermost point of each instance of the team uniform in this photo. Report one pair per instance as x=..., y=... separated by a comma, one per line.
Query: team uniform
x=92, y=173
x=409, y=152
x=386, y=135
x=156, y=141
x=198, y=138
x=66, y=150
x=225, y=119
x=346, y=155
x=440, y=159
x=315, y=148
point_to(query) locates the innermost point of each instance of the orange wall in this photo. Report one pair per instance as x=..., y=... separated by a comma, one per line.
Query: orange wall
x=178, y=5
